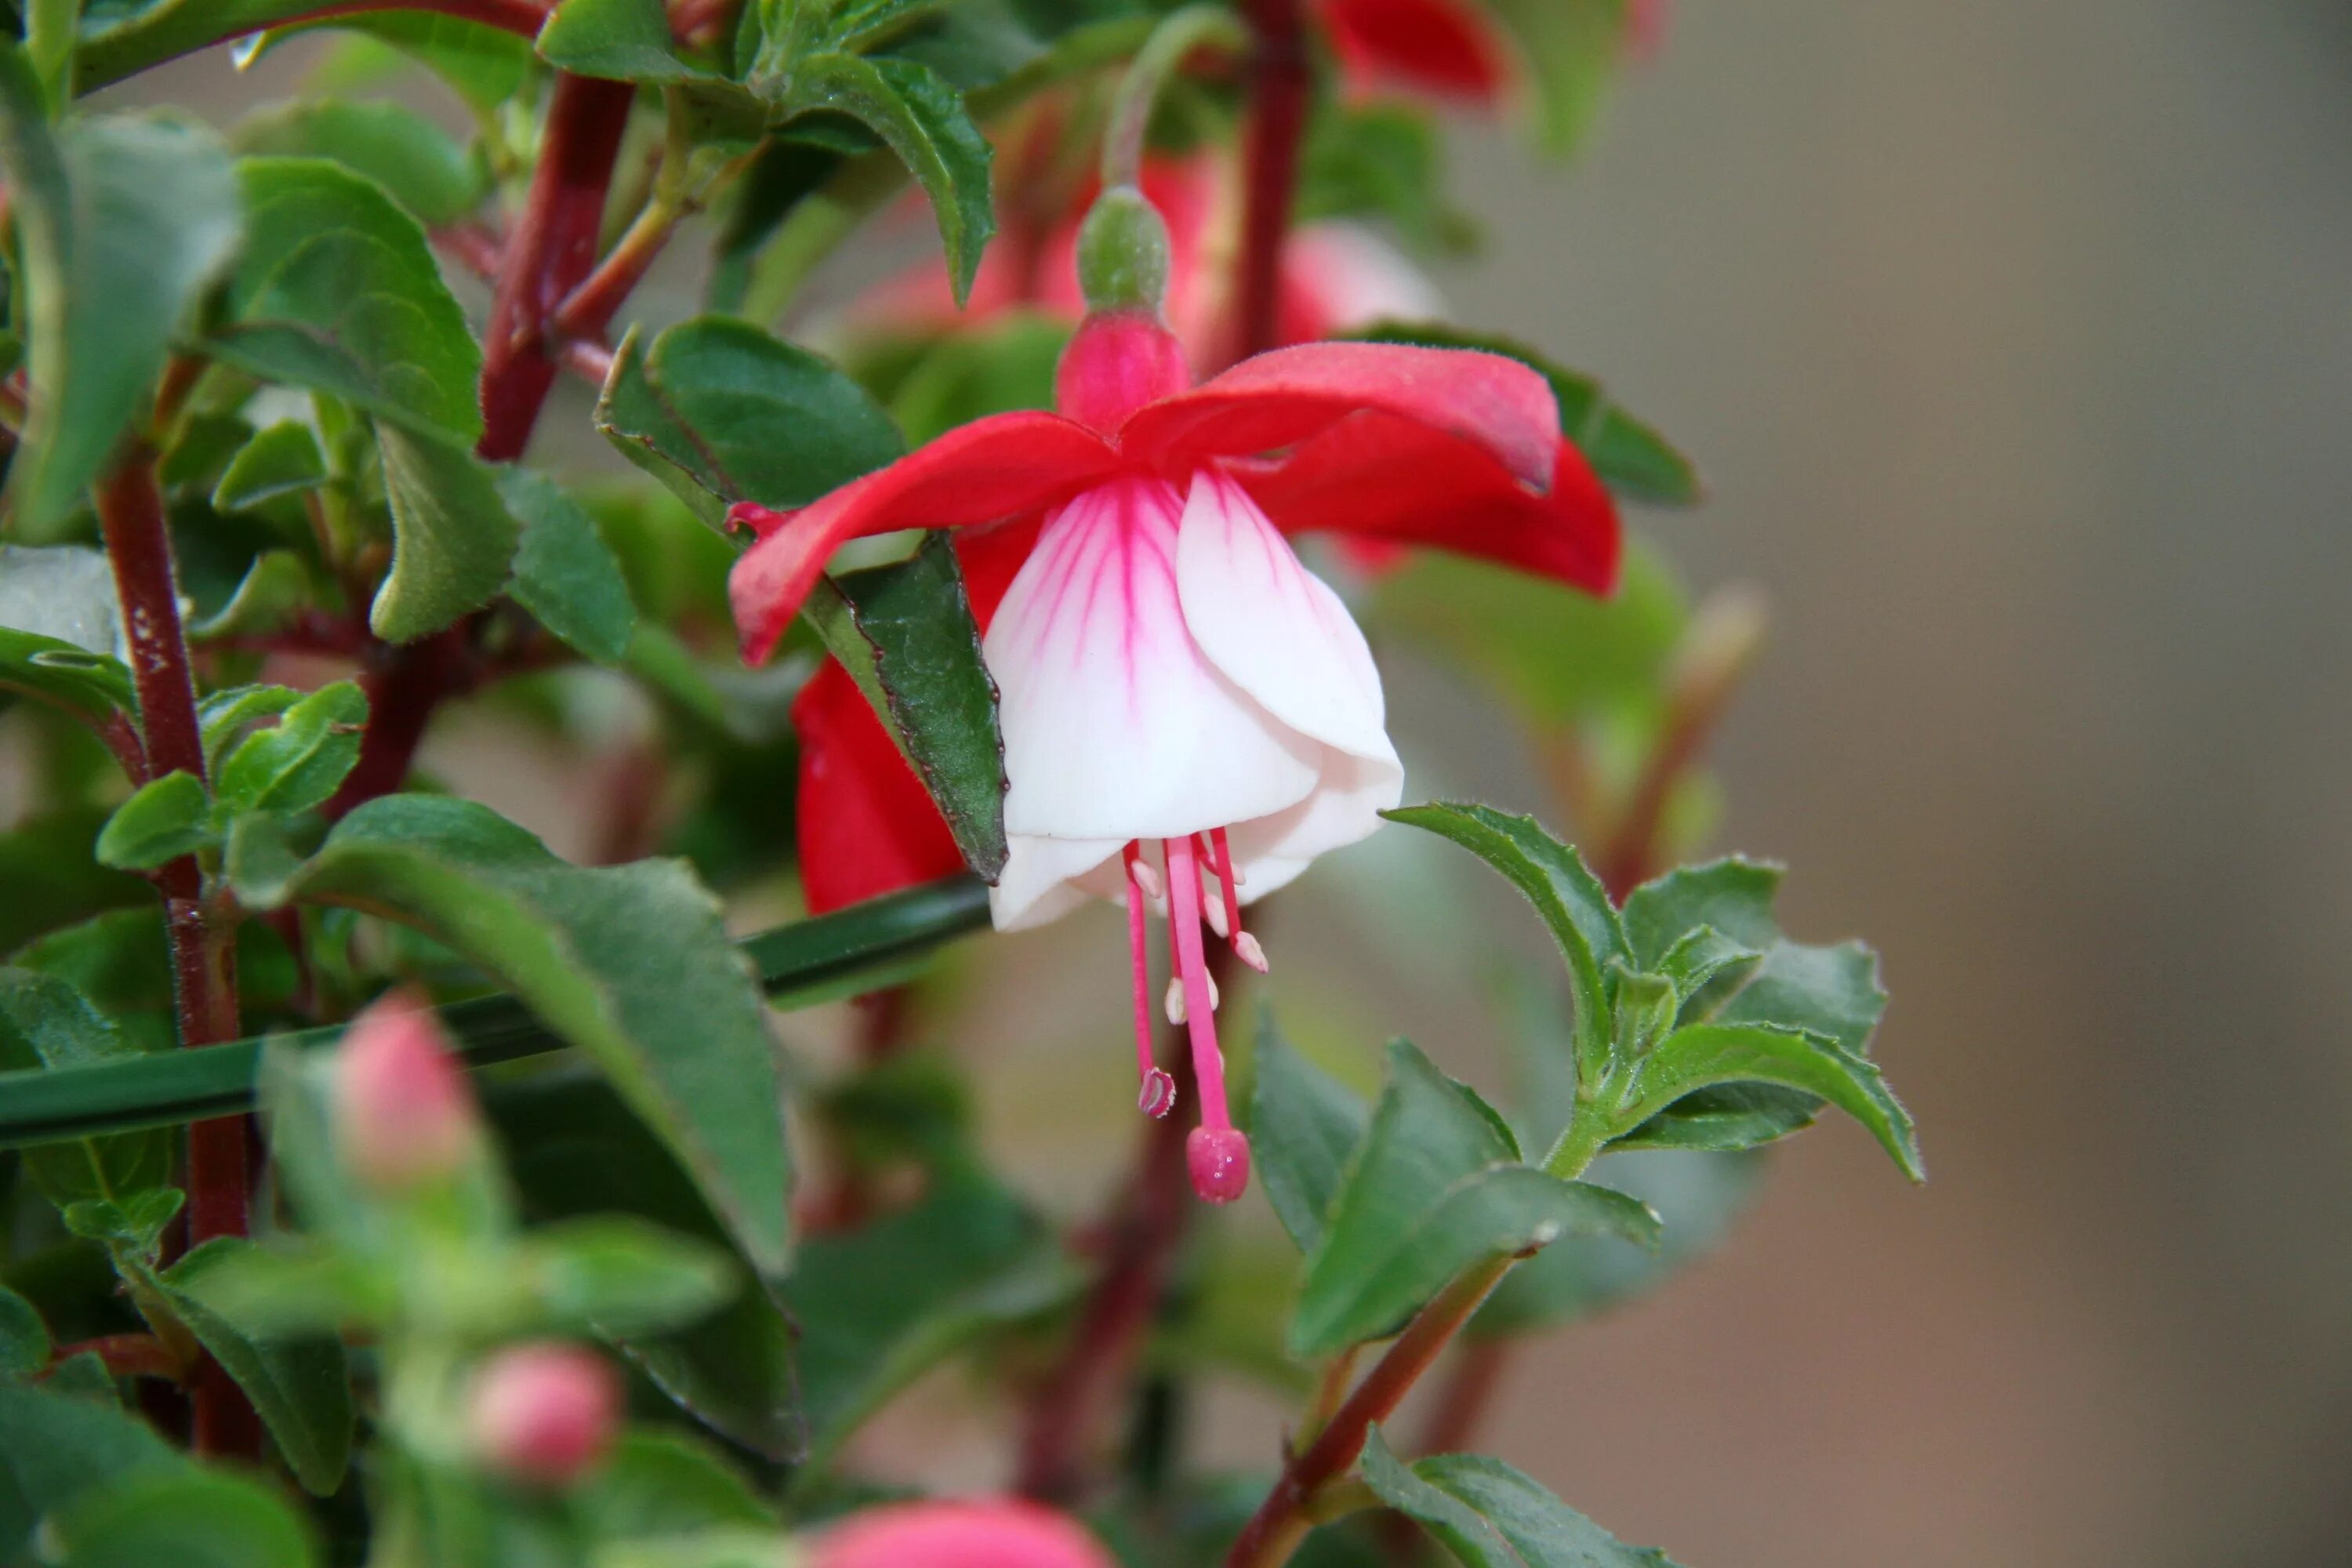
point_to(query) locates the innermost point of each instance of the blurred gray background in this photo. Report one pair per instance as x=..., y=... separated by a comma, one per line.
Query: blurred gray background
x=2015, y=339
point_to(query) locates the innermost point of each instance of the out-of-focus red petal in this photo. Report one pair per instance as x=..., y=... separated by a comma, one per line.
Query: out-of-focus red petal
x=982, y=1533
x=993, y=468
x=867, y=825
x=1440, y=47
x=1483, y=402
x=1380, y=477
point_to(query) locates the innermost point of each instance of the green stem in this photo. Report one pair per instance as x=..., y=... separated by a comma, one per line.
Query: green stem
x=1172, y=42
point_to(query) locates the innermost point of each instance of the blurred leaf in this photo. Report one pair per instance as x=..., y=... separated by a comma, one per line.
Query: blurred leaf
x=297, y=762
x=660, y=1484
x=630, y=963
x=45, y=1023
x=337, y=291
x=574, y=1149
x=1304, y=1125
x=93, y=686
x=623, y=1275
x=187, y=1517
x=279, y=460
x=54, y=1447
x=906, y=634
x=623, y=40
x=991, y=367
x=484, y=65
x=53, y=878
x=720, y=412
x=1491, y=1516
x=453, y=539
x=130, y=1226
x=883, y=1304
x=1385, y=161
x=24, y=1338
x=1572, y=49
x=1435, y=1188
x=161, y=821
x=564, y=573
x=415, y=162
x=299, y=1384
x=64, y=593
x=1706, y=1055
x=124, y=221
x=1630, y=457
x=276, y=586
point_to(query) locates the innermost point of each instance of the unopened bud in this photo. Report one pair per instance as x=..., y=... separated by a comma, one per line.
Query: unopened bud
x=541, y=1414
x=403, y=1114
x=1123, y=253
x=991, y=1533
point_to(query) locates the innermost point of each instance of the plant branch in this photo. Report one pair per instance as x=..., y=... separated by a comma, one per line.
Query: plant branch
x=1277, y=118
x=129, y=1355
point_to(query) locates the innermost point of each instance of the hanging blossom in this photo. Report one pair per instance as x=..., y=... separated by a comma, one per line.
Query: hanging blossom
x=1448, y=49
x=1190, y=716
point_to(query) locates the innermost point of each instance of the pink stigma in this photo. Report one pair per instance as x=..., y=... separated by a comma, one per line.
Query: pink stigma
x=1220, y=1161
x=1217, y=1152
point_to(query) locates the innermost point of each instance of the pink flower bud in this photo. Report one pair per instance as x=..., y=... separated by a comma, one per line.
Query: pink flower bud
x=985, y=1533
x=542, y=1414
x=403, y=1114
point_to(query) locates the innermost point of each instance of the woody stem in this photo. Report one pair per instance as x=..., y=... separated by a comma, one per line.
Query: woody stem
x=1277, y=118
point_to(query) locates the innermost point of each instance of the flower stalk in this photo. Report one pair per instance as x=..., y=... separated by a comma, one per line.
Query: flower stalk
x=1277, y=120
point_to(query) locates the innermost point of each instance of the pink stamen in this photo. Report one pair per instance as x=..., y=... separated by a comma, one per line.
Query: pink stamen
x=1217, y=1152
x=1245, y=946
x=1158, y=1095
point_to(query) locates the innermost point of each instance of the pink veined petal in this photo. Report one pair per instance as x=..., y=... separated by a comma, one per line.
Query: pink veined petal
x=1045, y=879
x=1116, y=725
x=992, y=469
x=1491, y=404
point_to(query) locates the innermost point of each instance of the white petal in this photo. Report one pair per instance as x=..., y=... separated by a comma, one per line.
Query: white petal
x=1273, y=627
x=1345, y=807
x=1116, y=725
x=1039, y=883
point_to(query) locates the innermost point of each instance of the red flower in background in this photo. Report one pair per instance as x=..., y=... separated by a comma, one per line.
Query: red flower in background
x=1445, y=47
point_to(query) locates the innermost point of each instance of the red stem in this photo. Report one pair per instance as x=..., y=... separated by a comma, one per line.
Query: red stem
x=127, y=1355
x=1277, y=118
x=403, y=685
x=139, y=547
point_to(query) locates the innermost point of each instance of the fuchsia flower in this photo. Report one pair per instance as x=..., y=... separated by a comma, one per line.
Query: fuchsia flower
x=1190, y=715
x=1443, y=47
x=999, y=1533
x=542, y=1414
x=403, y=1114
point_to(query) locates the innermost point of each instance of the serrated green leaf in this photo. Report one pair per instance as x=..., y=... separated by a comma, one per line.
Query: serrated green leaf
x=630, y=963
x=1564, y=891
x=922, y=119
x=46, y=1024
x=161, y=821
x=1492, y=1516
x=454, y=540
x=412, y=158
x=1702, y=957
x=124, y=222
x=337, y=290
x=720, y=412
x=282, y=460
x=883, y=1304
x=130, y=1226
x=1706, y=1055
x=299, y=1384
x=1831, y=990
x=1629, y=455
x=187, y=1517
x=224, y=715
x=574, y=1149
x=1435, y=1187
x=564, y=573
x=623, y=40
x=1304, y=1126
x=297, y=762
x=54, y=1447
x=1732, y=896
x=24, y=1338
x=623, y=1275
x=906, y=634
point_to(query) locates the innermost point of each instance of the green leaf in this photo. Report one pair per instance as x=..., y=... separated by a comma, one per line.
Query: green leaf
x=1435, y=1188
x=906, y=634
x=299, y=1384
x=623, y=40
x=922, y=118
x=280, y=460
x=53, y=878
x=132, y=1228
x=54, y=1447
x=1733, y=897
x=1696, y=1196
x=576, y=1149
x=95, y=688
x=124, y=222
x=223, y=716
x=1304, y=1125
x=276, y=586
x=1381, y=160
x=623, y=1275
x=881, y=1305
x=1706, y=1055
x=564, y=573
x=336, y=290
x=1572, y=49
x=187, y=1517
x=1568, y=896
x=24, y=1338
x=484, y=65
x=1832, y=991
x=991, y=367
x=412, y=158
x=630, y=963
x=453, y=537
x=1629, y=455
x=721, y=411
x=661, y=1484
x=297, y=762
x=46, y=1024
x=1702, y=957
x=1491, y=1516
x=161, y=821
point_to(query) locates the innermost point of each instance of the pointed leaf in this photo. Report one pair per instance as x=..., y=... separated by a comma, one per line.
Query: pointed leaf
x=1304, y=1126
x=1492, y=1516
x=161, y=821
x=1706, y=1055
x=453, y=537
x=564, y=573
x=483, y=64
x=280, y=460
x=54, y=1447
x=1732, y=895
x=623, y=40
x=188, y=1517
x=414, y=160
x=297, y=762
x=46, y=1024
